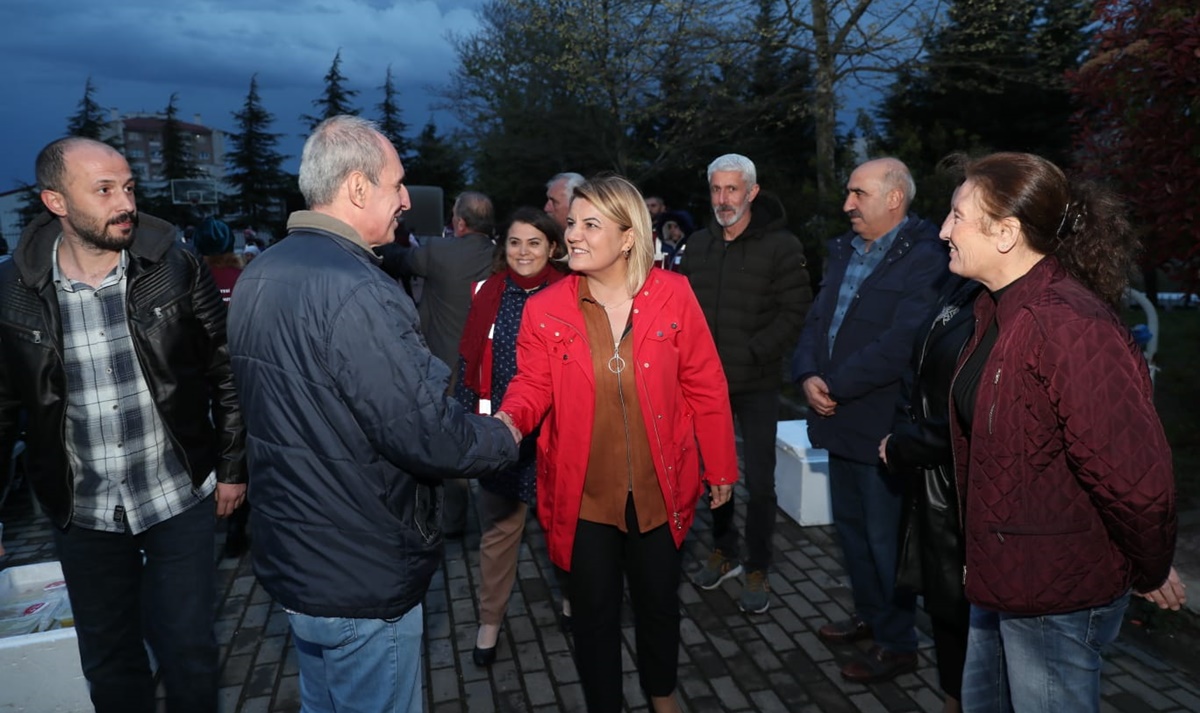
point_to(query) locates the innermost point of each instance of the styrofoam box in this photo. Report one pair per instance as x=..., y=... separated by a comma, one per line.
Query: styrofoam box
x=40, y=672
x=801, y=475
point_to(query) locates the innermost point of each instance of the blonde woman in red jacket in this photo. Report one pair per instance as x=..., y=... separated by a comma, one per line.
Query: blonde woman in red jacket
x=618, y=361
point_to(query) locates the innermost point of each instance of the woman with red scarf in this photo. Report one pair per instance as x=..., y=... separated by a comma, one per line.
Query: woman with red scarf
x=527, y=260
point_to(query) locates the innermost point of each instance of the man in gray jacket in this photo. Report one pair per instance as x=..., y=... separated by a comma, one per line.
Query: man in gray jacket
x=350, y=431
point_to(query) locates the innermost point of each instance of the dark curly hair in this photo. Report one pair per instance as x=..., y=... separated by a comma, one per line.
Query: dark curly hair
x=1082, y=223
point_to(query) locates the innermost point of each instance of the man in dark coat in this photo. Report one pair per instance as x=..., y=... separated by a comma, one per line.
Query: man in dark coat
x=112, y=340
x=881, y=280
x=350, y=430
x=748, y=272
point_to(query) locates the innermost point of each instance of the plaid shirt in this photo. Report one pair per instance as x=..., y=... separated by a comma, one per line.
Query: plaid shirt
x=126, y=471
x=867, y=256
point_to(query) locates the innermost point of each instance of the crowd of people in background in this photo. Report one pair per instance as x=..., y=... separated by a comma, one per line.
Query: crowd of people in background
x=992, y=440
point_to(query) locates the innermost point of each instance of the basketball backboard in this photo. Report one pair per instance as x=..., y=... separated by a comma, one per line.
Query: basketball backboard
x=194, y=191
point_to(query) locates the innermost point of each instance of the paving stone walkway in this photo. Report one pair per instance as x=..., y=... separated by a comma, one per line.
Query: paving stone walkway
x=729, y=661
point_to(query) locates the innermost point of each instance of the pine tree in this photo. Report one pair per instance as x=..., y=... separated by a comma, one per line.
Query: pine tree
x=254, y=164
x=89, y=120
x=390, y=124
x=993, y=80
x=177, y=158
x=436, y=162
x=335, y=100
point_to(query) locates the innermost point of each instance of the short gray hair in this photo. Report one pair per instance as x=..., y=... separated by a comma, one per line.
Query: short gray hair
x=339, y=146
x=898, y=177
x=734, y=162
x=573, y=181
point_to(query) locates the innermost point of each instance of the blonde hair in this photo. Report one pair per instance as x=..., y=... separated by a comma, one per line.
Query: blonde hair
x=621, y=202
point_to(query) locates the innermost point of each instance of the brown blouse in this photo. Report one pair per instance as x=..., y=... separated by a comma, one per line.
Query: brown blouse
x=620, y=461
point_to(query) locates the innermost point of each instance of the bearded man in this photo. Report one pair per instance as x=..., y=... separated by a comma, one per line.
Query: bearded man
x=748, y=272
x=112, y=340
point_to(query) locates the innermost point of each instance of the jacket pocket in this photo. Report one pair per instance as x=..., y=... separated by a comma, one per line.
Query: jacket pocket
x=427, y=510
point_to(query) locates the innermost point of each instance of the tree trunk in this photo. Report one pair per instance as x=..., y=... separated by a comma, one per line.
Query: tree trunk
x=826, y=100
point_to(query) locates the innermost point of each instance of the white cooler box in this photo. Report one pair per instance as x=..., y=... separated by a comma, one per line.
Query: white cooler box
x=801, y=475
x=39, y=660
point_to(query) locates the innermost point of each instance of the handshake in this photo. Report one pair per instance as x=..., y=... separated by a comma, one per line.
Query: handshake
x=507, y=420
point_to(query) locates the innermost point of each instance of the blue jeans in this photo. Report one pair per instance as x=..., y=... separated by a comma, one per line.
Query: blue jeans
x=168, y=600
x=757, y=415
x=1042, y=664
x=866, y=502
x=359, y=665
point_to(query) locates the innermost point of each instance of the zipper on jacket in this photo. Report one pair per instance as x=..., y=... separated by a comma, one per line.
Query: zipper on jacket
x=992, y=408
x=37, y=336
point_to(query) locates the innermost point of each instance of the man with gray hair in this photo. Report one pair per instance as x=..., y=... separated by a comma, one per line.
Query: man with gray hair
x=558, y=196
x=881, y=281
x=748, y=272
x=350, y=431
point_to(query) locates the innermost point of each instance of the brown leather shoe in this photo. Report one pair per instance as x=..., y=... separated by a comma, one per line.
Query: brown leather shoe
x=878, y=665
x=846, y=631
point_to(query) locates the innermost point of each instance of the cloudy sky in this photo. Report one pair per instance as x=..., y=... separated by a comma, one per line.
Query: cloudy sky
x=138, y=52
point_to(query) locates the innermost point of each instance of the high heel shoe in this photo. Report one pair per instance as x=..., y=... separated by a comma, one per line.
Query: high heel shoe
x=484, y=657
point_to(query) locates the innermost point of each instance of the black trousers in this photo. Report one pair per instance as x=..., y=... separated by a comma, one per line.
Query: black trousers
x=757, y=416
x=602, y=559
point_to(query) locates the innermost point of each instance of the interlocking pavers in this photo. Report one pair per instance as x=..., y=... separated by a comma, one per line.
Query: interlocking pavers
x=730, y=662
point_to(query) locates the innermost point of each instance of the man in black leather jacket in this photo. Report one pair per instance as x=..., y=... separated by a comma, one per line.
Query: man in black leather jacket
x=112, y=338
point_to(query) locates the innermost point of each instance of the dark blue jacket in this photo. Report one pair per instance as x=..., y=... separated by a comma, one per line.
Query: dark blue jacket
x=349, y=430
x=875, y=340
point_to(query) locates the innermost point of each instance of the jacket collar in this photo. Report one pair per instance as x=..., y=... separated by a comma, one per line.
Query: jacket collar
x=1020, y=293
x=35, y=254
x=315, y=220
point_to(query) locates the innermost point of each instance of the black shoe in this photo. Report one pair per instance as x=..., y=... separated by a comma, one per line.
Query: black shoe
x=879, y=665
x=564, y=622
x=484, y=657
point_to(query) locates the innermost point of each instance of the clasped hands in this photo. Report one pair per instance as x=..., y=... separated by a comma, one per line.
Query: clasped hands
x=817, y=393
x=512, y=427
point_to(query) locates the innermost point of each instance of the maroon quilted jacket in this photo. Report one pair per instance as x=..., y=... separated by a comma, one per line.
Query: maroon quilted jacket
x=1068, y=494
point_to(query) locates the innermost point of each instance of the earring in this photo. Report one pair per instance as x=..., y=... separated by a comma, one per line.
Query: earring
x=627, y=253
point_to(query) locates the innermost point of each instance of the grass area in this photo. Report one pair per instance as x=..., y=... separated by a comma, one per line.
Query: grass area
x=1177, y=395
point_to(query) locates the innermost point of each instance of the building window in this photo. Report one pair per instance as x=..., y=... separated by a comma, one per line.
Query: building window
x=205, y=156
x=136, y=153
x=133, y=136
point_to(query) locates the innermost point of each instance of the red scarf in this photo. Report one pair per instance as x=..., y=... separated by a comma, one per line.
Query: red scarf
x=475, y=347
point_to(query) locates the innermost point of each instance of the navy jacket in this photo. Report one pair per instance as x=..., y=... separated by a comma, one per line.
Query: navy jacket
x=349, y=430
x=875, y=340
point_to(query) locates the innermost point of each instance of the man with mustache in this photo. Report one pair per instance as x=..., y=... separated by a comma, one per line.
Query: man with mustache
x=112, y=338
x=748, y=272
x=881, y=281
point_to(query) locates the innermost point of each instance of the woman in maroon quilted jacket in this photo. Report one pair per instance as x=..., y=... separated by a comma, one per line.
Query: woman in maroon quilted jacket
x=1064, y=472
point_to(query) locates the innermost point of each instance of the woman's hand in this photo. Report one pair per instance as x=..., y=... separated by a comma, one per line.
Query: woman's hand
x=883, y=448
x=718, y=495
x=507, y=421
x=1170, y=595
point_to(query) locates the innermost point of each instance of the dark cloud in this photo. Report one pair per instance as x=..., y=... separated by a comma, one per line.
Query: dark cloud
x=138, y=52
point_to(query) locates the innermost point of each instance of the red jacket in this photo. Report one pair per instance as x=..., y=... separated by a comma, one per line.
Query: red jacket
x=681, y=390
x=1067, y=486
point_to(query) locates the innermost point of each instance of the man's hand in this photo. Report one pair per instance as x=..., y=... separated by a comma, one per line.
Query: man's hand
x=230, y=496
x=507, y=420
x=719, y=495
x=1170, y=595
x=817, y=393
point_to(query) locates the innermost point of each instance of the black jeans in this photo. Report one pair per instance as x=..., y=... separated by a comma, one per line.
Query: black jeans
x=602, y=558
x=170, y=601
x=757, y=417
